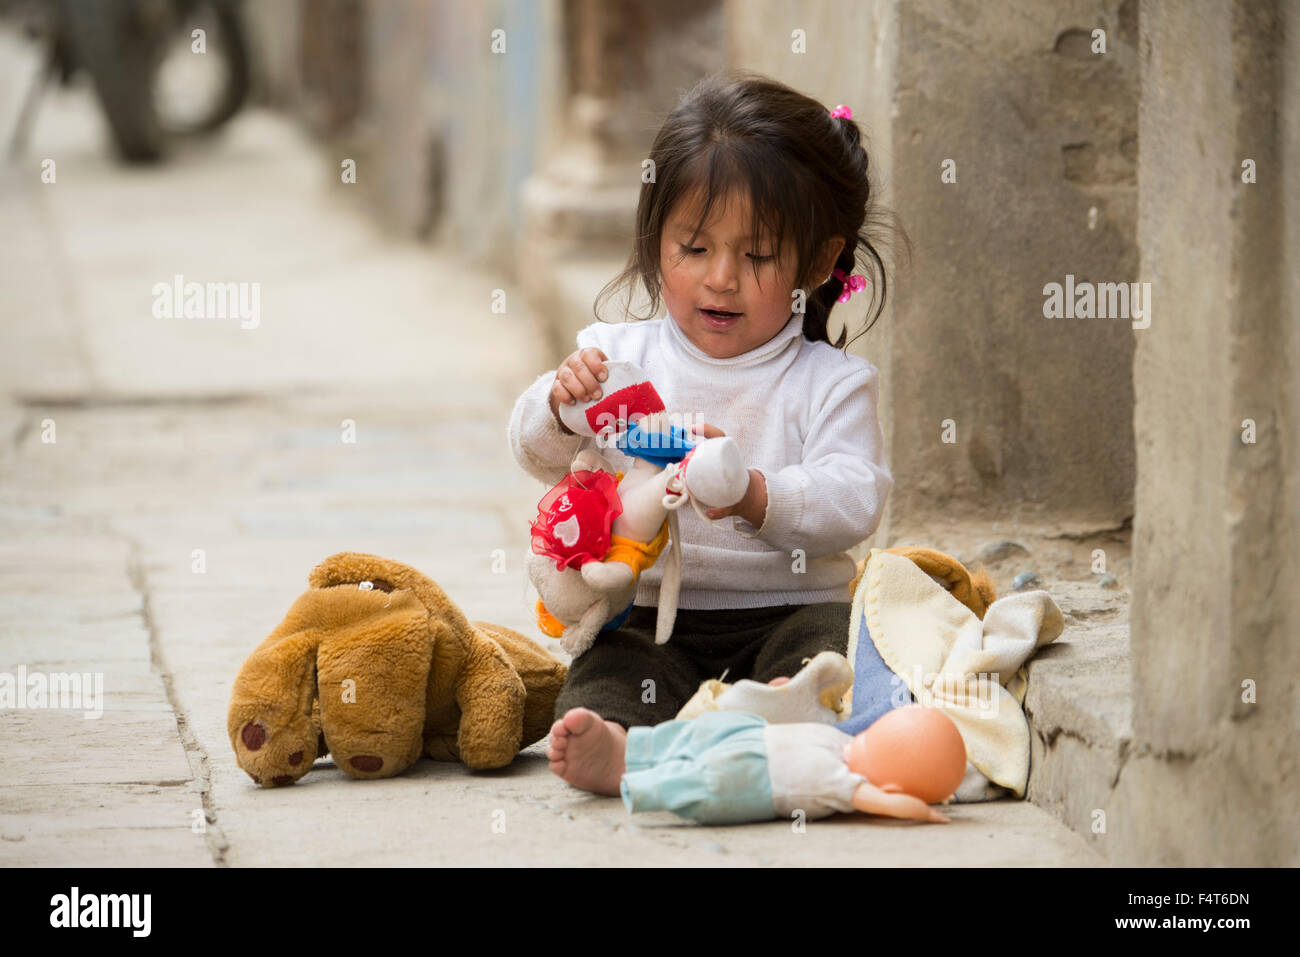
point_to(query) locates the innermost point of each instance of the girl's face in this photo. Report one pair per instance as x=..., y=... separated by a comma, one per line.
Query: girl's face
x=722, y=271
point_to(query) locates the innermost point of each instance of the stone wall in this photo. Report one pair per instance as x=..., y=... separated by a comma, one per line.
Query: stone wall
x=1216, y=612
x=445, y=119
x=1042, y=135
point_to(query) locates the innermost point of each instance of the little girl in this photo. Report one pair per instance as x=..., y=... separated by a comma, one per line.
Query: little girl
x=750, y=229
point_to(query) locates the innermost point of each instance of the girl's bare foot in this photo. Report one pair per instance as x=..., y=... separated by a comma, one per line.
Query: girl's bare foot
x=587, y=751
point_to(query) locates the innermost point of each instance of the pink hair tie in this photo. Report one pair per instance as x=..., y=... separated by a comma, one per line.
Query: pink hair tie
x=843, y=111
x=852, y=284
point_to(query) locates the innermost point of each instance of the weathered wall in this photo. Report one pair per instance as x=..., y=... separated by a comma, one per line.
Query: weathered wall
x=1211, y=777
x=1043, y=133
x=444, y=131
x=451, y=128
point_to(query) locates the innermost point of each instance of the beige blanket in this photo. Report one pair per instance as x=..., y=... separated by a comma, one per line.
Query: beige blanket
x=949, y=658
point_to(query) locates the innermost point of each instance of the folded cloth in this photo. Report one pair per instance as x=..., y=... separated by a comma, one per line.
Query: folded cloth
x=876, y=689
x=816, y=694
x=948, y=658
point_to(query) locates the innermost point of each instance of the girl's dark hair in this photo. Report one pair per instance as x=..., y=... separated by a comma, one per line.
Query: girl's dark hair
x=806, y=173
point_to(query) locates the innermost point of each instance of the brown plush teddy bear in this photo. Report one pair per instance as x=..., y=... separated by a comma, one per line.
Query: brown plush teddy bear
x=375, y=665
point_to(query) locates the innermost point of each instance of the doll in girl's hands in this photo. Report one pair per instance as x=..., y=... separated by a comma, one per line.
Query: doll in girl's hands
x=600, y=529
x=579, y=380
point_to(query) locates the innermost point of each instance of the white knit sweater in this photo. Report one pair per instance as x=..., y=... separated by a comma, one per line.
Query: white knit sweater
x=803, y=413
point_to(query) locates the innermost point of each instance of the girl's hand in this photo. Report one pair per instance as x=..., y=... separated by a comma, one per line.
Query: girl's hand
x=753, y=507
x=578, y=379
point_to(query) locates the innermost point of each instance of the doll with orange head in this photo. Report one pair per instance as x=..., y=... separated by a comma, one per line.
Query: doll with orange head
x=912, y=757
x=732, y=767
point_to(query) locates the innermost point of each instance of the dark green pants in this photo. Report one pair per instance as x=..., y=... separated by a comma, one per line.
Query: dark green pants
x=627, y=678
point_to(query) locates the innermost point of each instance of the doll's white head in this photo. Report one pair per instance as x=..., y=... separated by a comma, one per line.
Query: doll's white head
x=626, y=396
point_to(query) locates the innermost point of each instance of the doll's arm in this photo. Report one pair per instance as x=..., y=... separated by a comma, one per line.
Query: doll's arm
x=872, y=800
x=578, y=638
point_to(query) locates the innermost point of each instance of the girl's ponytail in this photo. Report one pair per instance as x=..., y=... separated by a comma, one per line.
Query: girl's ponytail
x=824, y=297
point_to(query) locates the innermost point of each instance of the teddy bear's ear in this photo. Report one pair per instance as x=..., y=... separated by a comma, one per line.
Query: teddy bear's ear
x=351, y=567
x=976, y=591
x=947, y=570
x=983, y=591
x=857, y=578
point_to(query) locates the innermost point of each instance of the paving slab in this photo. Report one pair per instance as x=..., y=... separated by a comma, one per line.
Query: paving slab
x=103, y=825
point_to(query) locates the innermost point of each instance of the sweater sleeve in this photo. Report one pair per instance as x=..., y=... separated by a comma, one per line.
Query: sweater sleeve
x=539, y=446
x=835, y=497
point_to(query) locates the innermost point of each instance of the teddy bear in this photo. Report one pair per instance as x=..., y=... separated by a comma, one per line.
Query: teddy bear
x=599, y=528
x=375, y=665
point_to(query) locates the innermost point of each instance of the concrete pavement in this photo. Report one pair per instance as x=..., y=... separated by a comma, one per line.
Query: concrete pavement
x=188, y=443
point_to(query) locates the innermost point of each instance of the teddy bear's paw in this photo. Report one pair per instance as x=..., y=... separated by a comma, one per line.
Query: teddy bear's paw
x=363, y=765
x=373, y=763
x=275, y=758
x=442, y=747
x=367, y=754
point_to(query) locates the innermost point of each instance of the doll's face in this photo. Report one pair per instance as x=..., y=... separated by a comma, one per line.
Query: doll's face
x=721, y=269
x=914, y=749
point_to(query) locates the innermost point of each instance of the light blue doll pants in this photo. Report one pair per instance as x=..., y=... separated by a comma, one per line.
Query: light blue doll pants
x=711, y=769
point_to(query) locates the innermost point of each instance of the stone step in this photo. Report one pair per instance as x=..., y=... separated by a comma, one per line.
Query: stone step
x=1079, y=700
x=1079, y=705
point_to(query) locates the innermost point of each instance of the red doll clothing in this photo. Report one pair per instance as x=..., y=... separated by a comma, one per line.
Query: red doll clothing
x=574, y=519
